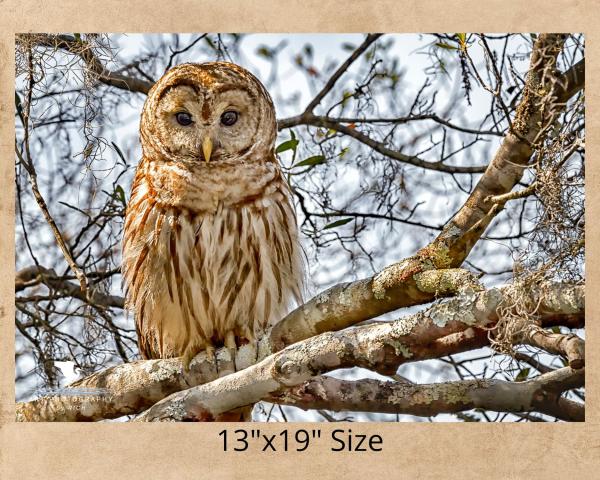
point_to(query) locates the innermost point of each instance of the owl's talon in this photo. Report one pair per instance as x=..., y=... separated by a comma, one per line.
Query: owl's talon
x=190, y=353
x=232, y=347
x=188, y=356
x=233, y=354
x=211, y=356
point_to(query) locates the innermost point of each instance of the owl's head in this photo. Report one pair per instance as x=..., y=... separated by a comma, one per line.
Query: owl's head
x=208, y=113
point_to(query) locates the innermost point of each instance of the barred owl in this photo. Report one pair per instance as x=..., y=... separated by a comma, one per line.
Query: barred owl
x=210, y=253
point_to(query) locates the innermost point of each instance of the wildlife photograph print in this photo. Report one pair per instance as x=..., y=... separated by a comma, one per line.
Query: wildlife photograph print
x=300, y=227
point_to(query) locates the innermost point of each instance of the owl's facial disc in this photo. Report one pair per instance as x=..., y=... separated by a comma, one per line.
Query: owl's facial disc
x=208, y=125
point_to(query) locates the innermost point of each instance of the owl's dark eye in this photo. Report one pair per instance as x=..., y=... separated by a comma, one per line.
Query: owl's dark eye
x=229, y=118
x=184, y=118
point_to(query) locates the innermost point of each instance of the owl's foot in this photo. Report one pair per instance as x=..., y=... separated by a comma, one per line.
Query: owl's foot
x=191, y=352
x=211, y=356
x=187, y=358
x=232, y=347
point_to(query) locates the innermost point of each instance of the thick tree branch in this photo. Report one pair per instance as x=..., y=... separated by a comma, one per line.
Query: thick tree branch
x=375, y=347
x=368, y=395
x=447, y=328
x=134, y=386
x=346, y=304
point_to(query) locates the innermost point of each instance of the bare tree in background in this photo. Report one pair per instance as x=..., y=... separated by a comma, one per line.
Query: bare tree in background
x=472, y=206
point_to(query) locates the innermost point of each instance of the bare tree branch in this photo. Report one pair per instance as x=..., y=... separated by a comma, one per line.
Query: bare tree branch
x=512, y=158
x=34, y=275
x=308, y=118
x=571, y=81
x=459, y=236
x=153, y=380
x=27, y=162
x=82, y=49
x=403, y=284
x=369, y=40
x=290, y=122
x=398, y=285
x=368, y=395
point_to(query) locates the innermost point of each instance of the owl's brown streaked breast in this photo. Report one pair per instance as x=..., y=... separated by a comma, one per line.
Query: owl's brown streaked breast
x=193, y=275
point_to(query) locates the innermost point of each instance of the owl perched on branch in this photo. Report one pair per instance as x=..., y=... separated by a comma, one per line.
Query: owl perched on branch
x=210, y=253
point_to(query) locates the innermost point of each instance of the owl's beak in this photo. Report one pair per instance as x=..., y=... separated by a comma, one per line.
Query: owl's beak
x=207, y=146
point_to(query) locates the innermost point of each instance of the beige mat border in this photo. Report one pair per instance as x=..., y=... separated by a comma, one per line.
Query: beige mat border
x=192, y=451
